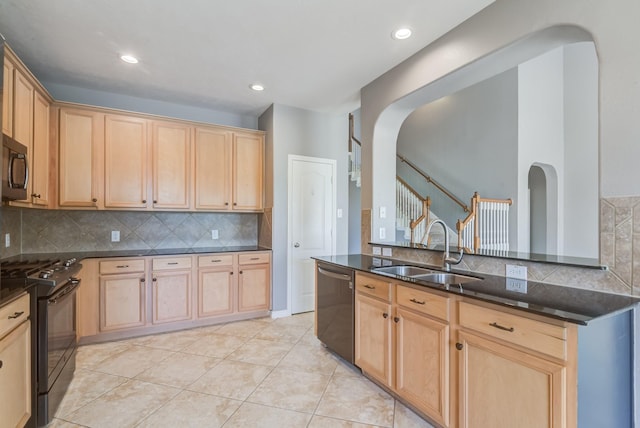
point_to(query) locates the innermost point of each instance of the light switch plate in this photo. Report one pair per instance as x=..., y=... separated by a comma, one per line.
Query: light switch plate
x=383, y=233
x=339, y=213
x=214, y=234
x=7, y=240
x=115, y=236
x=515, y=271
x=387, y=252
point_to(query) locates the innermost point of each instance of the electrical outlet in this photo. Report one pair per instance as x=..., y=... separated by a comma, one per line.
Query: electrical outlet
x=376, y=251
x=517, y=285
x=515, y=271
x=339, y=213
x=383, y=212
x=387, y=252
x=115, y=236
x=383, y=233
x=7, y=240
x=214, y=234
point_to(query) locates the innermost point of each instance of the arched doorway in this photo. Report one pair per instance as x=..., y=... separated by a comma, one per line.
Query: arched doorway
x=543, y=209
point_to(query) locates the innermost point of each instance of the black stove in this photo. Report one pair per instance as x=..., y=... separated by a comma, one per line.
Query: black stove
x=53, y=286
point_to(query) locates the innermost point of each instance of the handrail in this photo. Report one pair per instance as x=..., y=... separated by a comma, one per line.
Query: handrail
x=435, y=184
x=351, y=136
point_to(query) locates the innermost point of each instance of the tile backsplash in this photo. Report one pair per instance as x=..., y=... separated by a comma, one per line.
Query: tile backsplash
x=35, y=231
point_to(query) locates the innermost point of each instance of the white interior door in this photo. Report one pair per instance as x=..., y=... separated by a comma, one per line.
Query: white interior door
x=312, y=196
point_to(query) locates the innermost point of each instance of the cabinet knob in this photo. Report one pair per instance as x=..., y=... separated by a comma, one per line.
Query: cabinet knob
x=230, y=273
x=1, y=364
x=240, y=272
x=94, y=200
x=459, y=346
x=142, y=280
x=396, y=319
x=226, y=203
x=144, y=201
x=155, y=279
x=385, y=315
x=235, y=203
x=155, y=201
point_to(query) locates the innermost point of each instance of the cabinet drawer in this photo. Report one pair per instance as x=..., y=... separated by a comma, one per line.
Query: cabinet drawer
x=121, y=266
x=172, y=263
x=215, y=260
x=373, y=286
x=537, y=335
x=253, y=258
x=423, y=301
x=13, y=314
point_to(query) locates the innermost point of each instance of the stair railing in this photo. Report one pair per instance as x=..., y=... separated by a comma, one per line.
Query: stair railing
x=486, y=227
x=412, y=210
x=355, y=154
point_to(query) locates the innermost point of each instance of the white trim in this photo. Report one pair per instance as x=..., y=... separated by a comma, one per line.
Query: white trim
x=281, y=314
x=334, y=189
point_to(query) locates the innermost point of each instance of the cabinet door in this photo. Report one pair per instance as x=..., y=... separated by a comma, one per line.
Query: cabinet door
x=422, y=363
x=122, y=301
x=23, y=116
x=171, y=147
x=7, y=98
x=81, y=156
x=212, y=169
x=503, y=387
x=248, y=161
x=254, y=288
x=373, y=338
x=15, y=377
x=125, y=162
x=171, y=296
x=41, y=158
x=215, y=291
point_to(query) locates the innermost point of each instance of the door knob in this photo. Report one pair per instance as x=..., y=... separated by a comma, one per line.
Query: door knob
x=296, y=245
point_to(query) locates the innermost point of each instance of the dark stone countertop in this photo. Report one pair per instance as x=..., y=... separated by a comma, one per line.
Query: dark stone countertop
x=575, y=305
x=10, y=290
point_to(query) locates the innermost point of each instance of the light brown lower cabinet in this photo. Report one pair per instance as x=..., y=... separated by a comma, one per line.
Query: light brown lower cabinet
x=15, y=364
x=125, y=297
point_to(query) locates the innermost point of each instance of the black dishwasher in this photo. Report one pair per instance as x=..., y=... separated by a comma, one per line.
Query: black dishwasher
x=335, y=308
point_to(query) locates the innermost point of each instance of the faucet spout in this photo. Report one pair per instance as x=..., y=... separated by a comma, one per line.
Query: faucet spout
x=446, y=260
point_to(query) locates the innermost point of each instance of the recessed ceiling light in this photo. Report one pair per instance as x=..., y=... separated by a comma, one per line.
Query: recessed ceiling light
x=129, y=59
x=257, y=87
x=401, y=33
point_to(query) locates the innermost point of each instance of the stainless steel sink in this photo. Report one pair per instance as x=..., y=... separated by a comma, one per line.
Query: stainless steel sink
x=445, y=278
x=404, y=270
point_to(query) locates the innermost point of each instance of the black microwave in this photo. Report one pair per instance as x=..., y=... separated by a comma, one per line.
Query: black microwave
x=15, y=169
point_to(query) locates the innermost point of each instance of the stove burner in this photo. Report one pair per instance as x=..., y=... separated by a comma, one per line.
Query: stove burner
x=47, y=271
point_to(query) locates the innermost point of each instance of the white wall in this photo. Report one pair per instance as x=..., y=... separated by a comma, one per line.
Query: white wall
x=540, y=137
x=302, y=132
x=93, y=97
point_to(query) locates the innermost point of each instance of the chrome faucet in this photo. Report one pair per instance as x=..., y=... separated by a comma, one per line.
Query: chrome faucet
x=446, y=260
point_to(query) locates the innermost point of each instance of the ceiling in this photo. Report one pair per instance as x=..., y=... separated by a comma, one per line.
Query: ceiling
x=311, y=54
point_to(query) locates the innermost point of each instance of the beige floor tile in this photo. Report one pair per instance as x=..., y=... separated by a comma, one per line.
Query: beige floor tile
x=357, y=399
x=247, y=328
x=258, y=416
x=86, y=386
x=175, y=341
x=192, y=410
x=260, y=351
x=405, y=418
x=124, y=406
x=215, y=345
x=309, y=338
x=89, y=356
x=231, y=379
x=133, y=361
x=283, y=333
x=291, y=390
x=325, y=422
x=178, y=370
x=302, y=320
x=59, y=423
x=305, y=358
x=345, y=369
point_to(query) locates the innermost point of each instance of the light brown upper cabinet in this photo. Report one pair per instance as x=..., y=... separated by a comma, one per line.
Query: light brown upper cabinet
x=41, y=157
x=228, y=170
x=23, y=117
x=7, y=99
x=171, y=148
x=81, y=158
x=125, y=142
x=213, y=157
x=248, y=162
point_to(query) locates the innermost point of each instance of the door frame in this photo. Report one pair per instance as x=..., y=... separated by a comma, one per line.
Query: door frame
x=334, y=191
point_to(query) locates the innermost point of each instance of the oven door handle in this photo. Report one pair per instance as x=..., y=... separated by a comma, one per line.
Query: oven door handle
x=72, y=284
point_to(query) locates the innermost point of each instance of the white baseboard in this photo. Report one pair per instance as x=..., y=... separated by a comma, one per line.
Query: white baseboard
x=281, y=314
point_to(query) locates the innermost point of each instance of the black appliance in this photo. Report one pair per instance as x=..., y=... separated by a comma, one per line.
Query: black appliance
x=335, y=308
x=15, y=169
x=53, y=287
